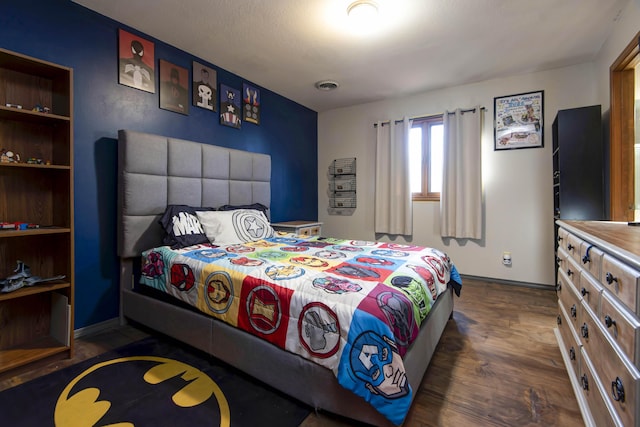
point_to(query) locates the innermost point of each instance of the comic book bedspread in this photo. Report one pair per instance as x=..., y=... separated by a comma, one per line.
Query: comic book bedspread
x=351, y=306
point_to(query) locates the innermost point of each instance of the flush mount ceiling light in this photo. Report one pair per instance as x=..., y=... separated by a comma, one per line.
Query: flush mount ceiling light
x=327, y=85
x=362, y=10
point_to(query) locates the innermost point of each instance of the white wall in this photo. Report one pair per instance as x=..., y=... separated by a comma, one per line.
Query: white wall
x=518, y=198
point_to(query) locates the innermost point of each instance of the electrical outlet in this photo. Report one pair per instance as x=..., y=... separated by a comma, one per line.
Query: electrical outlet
x=506, y=258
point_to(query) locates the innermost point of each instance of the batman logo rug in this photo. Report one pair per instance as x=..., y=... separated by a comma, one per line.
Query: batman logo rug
x=153, y=382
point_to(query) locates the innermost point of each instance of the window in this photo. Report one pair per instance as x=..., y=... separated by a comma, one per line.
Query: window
x=426, y=152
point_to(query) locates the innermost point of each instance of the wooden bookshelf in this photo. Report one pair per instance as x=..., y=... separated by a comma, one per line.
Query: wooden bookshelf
x=36, y=322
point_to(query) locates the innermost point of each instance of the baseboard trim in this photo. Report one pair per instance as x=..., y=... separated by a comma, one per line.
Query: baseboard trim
x=508, y=282
x=97, y=327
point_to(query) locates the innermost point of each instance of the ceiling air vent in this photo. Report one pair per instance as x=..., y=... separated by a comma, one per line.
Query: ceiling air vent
x=326, y=85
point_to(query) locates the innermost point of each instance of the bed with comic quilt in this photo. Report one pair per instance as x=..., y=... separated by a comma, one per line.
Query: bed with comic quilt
x=345, y=326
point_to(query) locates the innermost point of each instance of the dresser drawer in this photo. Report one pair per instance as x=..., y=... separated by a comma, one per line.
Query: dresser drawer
x=591, y=259
x=572, y=270
x=570, y=342
x=622, y=327
x=591, y=291
x=612, y=369
x=562, y=237
x=309, y=231
x=569, y=299
x=572, y=245
x=600, y=409
x=621, y=280
x=561, y=260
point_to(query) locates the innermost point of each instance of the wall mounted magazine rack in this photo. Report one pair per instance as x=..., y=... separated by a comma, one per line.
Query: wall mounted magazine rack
x=342, y=186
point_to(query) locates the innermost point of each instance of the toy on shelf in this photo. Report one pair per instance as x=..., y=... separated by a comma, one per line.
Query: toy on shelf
x=18, y=226
x=40, y=109
x=8, y=156
x=34, y=161
x=18, y=106
x=22, y=277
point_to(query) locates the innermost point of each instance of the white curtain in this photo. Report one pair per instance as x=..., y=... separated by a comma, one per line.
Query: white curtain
x=393, y=213
x=461, y=196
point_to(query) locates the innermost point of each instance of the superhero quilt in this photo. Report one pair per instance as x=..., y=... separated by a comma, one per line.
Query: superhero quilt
x=353, y=307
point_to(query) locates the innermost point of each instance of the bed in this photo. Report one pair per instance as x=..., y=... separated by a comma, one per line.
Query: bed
x=157, y=173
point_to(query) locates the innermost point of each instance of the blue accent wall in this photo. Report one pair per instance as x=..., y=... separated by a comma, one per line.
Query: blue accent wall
x=65, y=33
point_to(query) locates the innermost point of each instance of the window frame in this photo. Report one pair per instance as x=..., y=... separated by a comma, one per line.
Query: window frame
x=426, y=123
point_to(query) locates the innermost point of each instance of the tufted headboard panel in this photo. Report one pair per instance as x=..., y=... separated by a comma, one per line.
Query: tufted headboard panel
x=155, y=171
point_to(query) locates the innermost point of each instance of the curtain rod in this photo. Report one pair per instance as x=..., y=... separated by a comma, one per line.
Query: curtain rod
x=466, y=110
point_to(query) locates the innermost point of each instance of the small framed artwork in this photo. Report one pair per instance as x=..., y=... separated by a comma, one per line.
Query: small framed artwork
x=230, y=108
x=518, y=121
x=174, y=83
x=204, y=90
x=250, y=104
x=136, y=62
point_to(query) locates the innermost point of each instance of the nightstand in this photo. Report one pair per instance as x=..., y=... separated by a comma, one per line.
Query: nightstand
x=304, y=228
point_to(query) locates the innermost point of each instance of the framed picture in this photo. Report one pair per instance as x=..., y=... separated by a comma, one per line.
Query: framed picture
x=174, y=83
x=136, y=62
x=205, y=94
x=250, y=104
x=230, y=109
x=518, y=121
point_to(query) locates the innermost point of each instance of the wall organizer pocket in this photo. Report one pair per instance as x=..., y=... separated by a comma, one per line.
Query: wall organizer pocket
x=342, y=186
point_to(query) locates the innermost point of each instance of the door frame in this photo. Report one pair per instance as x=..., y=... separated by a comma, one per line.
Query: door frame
x=622, y=114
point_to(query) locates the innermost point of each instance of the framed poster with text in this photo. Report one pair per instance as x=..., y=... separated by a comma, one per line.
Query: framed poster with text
x=518, y=121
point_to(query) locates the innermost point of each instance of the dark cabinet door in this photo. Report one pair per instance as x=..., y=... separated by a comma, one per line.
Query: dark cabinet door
x=578, y=164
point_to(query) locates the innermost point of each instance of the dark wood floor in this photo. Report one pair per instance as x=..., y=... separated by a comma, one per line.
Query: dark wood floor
x=497, y=364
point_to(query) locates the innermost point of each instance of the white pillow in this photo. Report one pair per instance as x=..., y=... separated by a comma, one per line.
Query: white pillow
x=237, y=226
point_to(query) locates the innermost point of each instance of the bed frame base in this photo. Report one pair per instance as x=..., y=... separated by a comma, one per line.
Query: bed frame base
x=293, y=375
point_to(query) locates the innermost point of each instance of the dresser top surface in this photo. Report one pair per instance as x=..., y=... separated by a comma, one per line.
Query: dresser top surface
x=616, y=237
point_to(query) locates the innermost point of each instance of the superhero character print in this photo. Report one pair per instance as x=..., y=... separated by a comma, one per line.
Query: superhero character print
x=219, y=292
x=416, y=292
x=319, y=330
x=153, y=265
x=283, y=272
x=375, y=361
x=182, y=277
x=334, y=285
x=309, y=261
x=397, y=309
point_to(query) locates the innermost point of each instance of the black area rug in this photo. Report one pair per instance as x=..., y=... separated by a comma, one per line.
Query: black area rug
x=154, y=382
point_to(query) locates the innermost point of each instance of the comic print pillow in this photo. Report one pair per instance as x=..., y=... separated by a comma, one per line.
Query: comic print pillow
x=236, y=226
x=182, y=227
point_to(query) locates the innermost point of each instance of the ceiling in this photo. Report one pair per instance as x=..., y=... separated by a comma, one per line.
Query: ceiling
x=286, y=46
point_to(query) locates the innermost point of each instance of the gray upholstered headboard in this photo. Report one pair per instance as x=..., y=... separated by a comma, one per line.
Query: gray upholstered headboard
x=156, y=171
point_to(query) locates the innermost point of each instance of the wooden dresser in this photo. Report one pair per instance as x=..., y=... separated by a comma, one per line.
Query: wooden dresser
x=598, y=329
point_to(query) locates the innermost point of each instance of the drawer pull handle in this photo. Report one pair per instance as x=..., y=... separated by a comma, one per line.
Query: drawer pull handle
x=587, y=258
x=617, y=390
x=560, y=238
x=585, y=382
x=584, y=291
x=572, y=354
x=559, y=320
x=609, y=321
x=559, y=287
x=569, y=272
x=574, y=311
x=610, y=278
x=570, y=247
x=585, y=330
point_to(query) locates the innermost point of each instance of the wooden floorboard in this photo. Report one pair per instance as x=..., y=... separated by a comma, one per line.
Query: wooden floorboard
x=497, y=364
